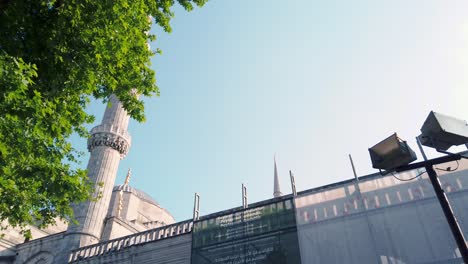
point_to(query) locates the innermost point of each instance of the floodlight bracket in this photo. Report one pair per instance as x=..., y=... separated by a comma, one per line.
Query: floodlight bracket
x=430, y=162
x=451, y=153
x=445, y=152
x=384, y=172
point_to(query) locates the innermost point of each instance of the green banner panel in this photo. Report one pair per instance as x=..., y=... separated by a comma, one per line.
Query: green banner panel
x=264, y=234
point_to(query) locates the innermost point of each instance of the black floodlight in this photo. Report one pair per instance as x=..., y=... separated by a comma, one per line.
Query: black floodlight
x=441, y=131
x=391, y=153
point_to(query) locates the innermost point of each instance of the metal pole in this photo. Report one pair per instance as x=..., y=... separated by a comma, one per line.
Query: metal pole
x=244, y=196
x=448, y=212
x=196, y=207
x=352, y=166
x=293, y=183
x=421, y=148
x=362, y=205
x=356, y=184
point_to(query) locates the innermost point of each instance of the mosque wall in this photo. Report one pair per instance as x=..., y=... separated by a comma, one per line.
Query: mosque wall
x=43, y=250
x=168, y=244
x=116, y=227
x=174, y=250
x=375, y=219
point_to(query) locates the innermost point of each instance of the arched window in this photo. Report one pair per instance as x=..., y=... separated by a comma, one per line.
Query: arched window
x=42, y=257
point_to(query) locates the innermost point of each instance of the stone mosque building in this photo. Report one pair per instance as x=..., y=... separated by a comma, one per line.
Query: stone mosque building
x=367, y=219
x=122, y=210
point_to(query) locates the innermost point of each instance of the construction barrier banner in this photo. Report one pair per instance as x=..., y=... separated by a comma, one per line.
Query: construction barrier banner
x=264, y=234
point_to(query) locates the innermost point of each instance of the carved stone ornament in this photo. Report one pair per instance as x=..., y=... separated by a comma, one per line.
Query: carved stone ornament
x=109, y=139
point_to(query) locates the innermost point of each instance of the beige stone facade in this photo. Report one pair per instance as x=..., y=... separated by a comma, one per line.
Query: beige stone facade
x=120, y=211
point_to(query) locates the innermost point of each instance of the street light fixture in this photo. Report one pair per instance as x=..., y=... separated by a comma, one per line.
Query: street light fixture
x=390, y=153
x=439, y=132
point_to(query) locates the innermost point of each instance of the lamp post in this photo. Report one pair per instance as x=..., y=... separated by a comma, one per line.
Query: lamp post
x=442, y=197
x=440, y=132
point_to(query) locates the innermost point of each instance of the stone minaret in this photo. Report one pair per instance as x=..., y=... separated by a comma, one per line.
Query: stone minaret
x=108, y=144
x=276, y=185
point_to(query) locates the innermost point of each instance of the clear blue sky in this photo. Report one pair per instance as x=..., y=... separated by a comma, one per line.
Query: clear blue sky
x=308, y=80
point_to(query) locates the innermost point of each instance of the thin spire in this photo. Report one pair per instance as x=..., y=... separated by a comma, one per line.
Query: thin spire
x=276, y=186
x=127, y=180
x=129, y=175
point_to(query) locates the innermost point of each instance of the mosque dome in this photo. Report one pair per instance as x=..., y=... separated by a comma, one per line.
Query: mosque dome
x=138, y=193
x=141, y=209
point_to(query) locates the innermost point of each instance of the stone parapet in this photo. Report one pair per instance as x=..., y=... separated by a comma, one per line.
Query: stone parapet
x=115, y=245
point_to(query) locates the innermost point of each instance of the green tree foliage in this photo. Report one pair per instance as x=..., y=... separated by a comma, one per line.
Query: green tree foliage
x=54, y=56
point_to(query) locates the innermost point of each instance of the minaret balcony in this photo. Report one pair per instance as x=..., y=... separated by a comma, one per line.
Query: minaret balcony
x=110, y=136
